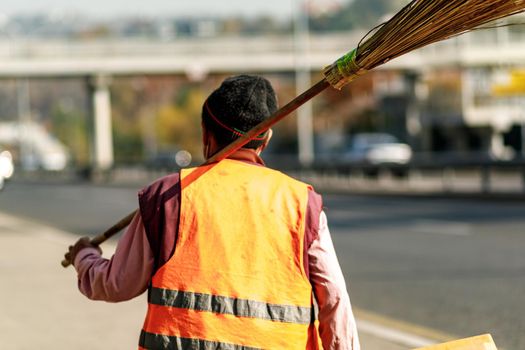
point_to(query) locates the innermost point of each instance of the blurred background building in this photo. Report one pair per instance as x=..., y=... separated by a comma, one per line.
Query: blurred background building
x=113, y=91
x=98, y=92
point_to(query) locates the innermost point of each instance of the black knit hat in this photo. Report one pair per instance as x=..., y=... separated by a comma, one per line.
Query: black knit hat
x=240, y=103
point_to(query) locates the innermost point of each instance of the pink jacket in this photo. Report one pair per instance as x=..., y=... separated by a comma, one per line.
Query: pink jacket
x=128, y=273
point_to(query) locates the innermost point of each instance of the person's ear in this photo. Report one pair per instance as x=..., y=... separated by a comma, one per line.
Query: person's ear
x=267, y=139
x=205, y=141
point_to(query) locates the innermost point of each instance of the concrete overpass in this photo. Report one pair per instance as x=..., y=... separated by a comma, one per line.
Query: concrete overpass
x=55, y=58
x=196, y=58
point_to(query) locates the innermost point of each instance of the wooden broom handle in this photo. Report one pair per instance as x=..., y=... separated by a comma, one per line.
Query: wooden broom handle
x=113, y=230
x=228, y=150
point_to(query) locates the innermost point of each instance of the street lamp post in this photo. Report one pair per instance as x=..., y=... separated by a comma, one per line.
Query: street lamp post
x=302, y=83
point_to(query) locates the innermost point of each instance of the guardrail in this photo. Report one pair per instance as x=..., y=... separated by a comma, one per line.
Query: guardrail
x=431, y=176
x=426, y=173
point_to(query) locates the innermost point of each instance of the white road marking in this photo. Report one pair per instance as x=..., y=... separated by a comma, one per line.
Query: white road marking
x=393, y=335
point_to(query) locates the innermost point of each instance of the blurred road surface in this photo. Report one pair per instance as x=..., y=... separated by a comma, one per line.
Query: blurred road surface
x=437, y=268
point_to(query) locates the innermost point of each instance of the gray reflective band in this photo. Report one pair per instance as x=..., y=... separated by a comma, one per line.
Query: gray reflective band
x=232, y=306
x=158, y=341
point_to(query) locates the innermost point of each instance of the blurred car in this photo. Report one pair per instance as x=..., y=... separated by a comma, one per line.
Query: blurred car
x=376, y=149
x=6, y=167
x=169, y=160
x=52, y=160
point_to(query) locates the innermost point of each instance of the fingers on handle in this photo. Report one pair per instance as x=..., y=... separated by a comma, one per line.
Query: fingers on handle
x=98, y=240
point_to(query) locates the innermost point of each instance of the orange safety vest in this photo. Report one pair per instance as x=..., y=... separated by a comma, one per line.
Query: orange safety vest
x=236, y=279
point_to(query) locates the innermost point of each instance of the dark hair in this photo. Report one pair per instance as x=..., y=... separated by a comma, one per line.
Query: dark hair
x=240, y=103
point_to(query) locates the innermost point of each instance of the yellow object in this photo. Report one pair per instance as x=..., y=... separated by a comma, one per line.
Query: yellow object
x=481, y=342
x=515, y=86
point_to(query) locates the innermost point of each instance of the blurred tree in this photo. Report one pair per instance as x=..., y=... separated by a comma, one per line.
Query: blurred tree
x=95, y=32
x=8, y=100
x=70, y=127
x=127, y=138
x=444, y=93
x=179, y=124
x=232, y=25
x=155, y=114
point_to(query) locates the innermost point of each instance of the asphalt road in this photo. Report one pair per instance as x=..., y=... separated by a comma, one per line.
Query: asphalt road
x=453, y=265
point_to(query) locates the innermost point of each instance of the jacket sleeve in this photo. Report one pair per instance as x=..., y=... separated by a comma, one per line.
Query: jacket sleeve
x=337, y=326
x=124, y=276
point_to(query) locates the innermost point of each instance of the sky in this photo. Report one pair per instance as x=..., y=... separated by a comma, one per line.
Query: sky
x=112, y=8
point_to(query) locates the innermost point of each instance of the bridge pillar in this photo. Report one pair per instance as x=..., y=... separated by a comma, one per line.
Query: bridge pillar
x=101, y=109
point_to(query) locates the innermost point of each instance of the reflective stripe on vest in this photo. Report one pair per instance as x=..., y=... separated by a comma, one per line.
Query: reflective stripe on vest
x=232, y=306
x=158, y=341
x=236, y=279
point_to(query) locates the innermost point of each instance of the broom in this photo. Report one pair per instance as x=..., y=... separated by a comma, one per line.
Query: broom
x=419, y=23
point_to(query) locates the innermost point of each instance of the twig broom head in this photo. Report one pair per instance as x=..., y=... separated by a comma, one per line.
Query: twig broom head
x=418, y=24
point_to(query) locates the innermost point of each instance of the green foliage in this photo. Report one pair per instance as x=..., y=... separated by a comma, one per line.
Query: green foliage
x=70, y=127
x=127, y=140
x=127, y=144
x=155, y=115
x=178, y=125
